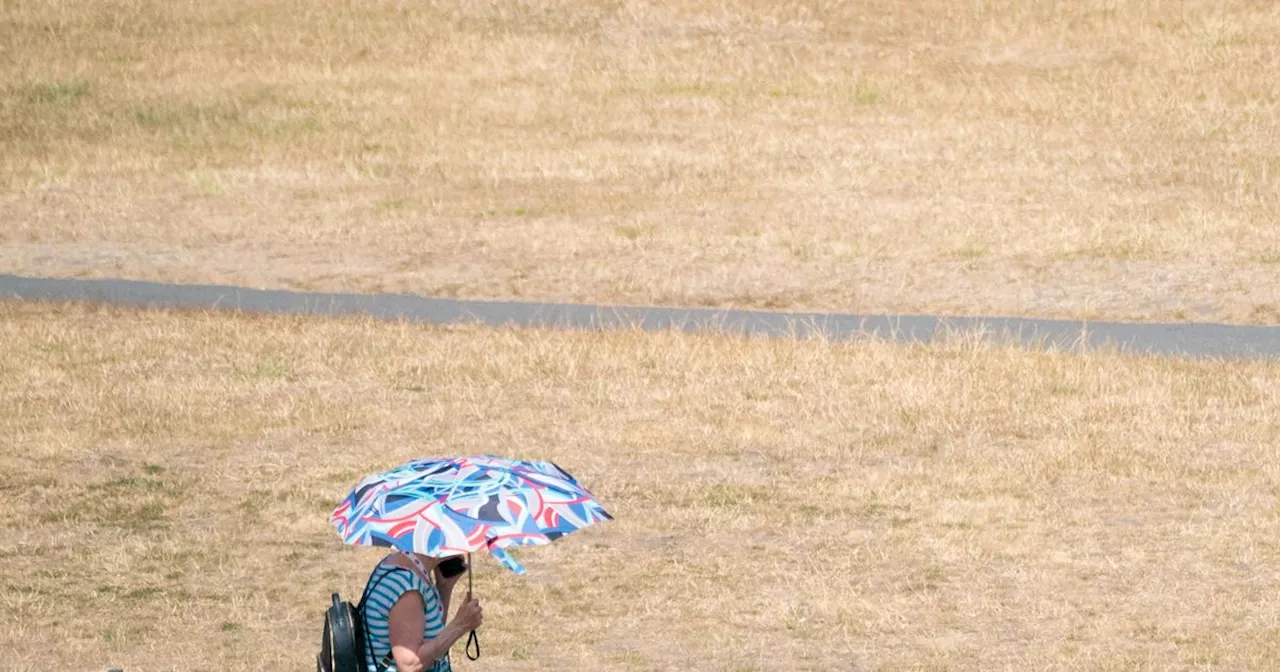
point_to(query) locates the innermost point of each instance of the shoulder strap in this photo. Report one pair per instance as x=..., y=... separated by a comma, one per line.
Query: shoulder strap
x=370, y=586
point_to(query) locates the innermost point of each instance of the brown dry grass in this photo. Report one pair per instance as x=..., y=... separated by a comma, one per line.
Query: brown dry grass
x=780, y=504
x=1100, y=158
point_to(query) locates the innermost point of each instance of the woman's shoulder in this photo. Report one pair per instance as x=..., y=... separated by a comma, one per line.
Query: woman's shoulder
x=388, y=585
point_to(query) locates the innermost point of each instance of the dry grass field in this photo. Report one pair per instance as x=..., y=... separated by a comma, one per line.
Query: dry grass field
x=1092, y=158
x=780, y=505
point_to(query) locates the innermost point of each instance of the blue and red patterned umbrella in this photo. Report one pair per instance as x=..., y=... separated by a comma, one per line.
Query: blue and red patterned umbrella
x=449, y=506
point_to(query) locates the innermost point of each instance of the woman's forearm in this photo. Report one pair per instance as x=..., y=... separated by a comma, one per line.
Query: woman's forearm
x=436, y=648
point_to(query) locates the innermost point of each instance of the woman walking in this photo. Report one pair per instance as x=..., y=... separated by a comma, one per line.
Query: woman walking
x=406, y=614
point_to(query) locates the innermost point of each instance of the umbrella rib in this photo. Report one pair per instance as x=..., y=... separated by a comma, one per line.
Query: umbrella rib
x=454, y=487
x=532, y=479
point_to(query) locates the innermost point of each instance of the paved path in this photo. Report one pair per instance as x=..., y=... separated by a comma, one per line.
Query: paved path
x=1190, y=339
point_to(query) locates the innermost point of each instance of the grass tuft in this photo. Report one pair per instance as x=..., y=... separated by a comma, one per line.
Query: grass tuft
x=57, y=92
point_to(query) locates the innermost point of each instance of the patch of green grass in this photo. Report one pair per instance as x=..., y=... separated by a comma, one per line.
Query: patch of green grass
x=343, y=476
x=229, y=626
x=207, y=182
x=55, y=91
x=166, y=115
x=1119, y=249
x=312, y=499
x=27, y=589
x=770, y=301
x=134, y=516
x=865, y=92
x=398, y=204
x=970, y=251
x=777, y=301
x=631, y=231
x=273, y=368
x=803, y=251
x=812, y=512
x=373, y=170
x=520, y=211
x=143, y=593
x=880, y=510
x=13, y=483
x=732, y=495
x=233, y=122
x=255, y=502
x=630, y=657
x=1222, y=33
x=717, y=496
x=926, y=580
x=52, y=346
x=134, y=503
x=1266, y=312
x=65, y=515
x=129, y=483
x=860, y=91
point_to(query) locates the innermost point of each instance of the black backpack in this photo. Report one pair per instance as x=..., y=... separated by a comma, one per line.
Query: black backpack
x=343, y=644
x=342, y=649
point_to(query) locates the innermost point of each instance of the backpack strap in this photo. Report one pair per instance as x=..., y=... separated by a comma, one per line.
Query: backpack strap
x=371, y=585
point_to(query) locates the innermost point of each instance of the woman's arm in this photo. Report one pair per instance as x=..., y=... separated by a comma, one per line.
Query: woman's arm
x=405, y=621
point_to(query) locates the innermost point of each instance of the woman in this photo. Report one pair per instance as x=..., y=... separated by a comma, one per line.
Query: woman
x=406, y=615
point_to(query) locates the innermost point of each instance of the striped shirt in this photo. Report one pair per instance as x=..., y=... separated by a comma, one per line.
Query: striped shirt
x=389, y=583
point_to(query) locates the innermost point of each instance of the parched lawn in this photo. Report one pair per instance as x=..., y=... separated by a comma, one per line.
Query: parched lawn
x=794, y=505
x=1092, y=159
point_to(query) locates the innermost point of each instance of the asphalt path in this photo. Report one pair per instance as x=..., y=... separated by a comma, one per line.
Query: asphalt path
x=1199, y=340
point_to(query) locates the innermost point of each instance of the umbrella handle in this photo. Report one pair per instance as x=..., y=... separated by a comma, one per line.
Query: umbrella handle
x=472, y=639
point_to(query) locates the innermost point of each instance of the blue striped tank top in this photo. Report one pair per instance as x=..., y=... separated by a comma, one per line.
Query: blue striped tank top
x=389, y=583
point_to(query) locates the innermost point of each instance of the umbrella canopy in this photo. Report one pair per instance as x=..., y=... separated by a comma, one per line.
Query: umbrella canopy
x=450, y=506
